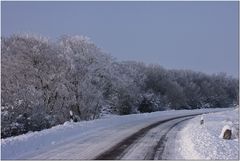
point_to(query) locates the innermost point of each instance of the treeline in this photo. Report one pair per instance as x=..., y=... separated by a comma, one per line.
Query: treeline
x=41, y=81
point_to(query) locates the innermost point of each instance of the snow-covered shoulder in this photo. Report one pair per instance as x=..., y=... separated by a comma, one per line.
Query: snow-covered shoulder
x=205, y=140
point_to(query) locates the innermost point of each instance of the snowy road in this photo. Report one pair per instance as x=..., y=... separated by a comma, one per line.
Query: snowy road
x=148, y=143
x=138, y=136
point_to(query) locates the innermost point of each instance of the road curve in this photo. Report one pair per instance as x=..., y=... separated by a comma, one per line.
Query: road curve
x=147, y=143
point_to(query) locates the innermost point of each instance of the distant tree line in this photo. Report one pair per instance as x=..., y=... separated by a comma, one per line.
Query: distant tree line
x=41, y=81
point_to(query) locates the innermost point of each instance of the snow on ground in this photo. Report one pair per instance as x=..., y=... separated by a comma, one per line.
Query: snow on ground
x=195, y=141
x=106, y=132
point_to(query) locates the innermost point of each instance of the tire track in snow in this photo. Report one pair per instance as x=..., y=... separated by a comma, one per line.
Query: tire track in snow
x=159, y=149
x=119, y=150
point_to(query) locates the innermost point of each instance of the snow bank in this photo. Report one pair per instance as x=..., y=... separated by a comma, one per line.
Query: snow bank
x=203, y=142
x=35, y=142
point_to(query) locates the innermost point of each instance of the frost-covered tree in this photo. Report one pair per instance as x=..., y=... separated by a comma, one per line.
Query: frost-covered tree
x=32, y=75
x=88, y=74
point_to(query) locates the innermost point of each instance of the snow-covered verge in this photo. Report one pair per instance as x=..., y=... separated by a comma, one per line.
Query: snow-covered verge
x=35, y=142
x=197, y=141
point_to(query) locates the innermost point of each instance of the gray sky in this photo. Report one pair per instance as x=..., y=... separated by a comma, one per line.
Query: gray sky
x=201, y=36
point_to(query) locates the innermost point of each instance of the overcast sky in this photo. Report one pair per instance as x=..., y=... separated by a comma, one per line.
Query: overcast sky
x=201, y=36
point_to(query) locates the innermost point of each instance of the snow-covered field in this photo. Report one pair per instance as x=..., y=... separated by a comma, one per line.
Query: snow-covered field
x=195, y=141
x=87, y=139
